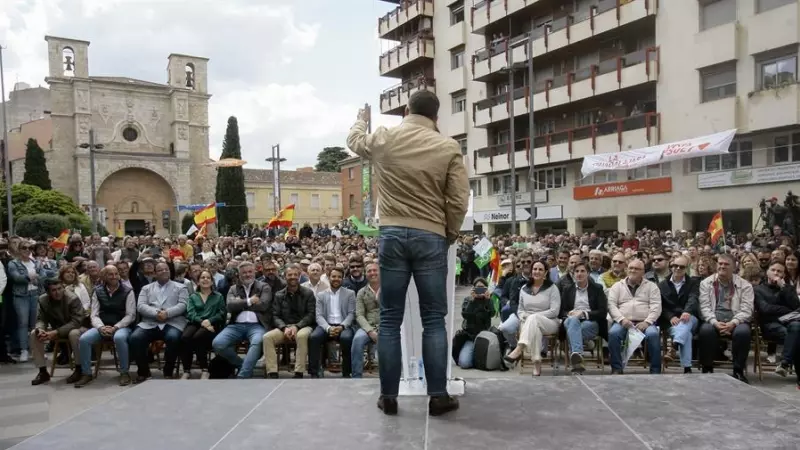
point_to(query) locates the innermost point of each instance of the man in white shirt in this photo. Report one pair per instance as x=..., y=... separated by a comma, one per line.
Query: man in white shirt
x=315, y=282
x=248, y=304
x=336, y=311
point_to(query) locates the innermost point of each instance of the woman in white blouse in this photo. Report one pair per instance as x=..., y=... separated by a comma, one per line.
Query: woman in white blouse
x=539, y=304
x=69, y=278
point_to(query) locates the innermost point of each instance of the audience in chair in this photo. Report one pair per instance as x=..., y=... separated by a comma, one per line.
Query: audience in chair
x=205, y=313
x=368, y=317
x=779, y=314
x=584, y=308
x=162, y=306
x=336, y=312
x=539, y=306
x=726, y=308
x=113, y=311
x=634, y=302
x=63, y=313
x=293, y=315
x=680, y=309
x=249, y=305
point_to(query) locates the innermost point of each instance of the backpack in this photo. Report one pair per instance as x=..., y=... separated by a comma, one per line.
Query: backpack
x=219, y=368
x=488, y=354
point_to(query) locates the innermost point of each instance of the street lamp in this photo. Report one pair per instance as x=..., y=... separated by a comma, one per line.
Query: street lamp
x=276, y=161
x=92, y=147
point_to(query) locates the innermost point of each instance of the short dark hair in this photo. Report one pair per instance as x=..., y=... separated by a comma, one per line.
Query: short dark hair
x=50, y=282
x=338, y=269
x=581, y=264
x=424, y=103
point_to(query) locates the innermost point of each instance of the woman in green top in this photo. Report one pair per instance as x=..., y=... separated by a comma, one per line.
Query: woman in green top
x=206, y=312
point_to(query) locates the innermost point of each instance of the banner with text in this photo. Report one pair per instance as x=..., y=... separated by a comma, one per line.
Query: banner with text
x=714, y=144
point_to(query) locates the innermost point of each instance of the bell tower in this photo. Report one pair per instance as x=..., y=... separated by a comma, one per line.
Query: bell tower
x=188, y=72
x=67, y=58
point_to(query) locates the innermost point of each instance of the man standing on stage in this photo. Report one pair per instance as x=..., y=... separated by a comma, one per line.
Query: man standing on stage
x=424, y=192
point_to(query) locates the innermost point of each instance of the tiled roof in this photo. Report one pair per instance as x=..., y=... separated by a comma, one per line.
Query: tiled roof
x=293, y=177
x=126, y=80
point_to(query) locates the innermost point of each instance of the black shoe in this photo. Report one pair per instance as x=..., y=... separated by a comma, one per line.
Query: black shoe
x=7, y=359
x=387, y=405
x=687, y=370
x=273, y=375
x=141, y=378
x=298, y=375
x=41, y=377
x=442, y=404
x=708, y=370
x=739, y=375
x=617, y=372
x=76, y=375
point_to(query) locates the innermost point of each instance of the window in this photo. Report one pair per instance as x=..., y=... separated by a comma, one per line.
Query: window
x=350, y=174
x=457, y=57
x=250, y=199
x=777, y=71
x=459, y=101
x=550, y=178
x=462, y=142
x=598, y=178
x=293, y=199
x=786, y=149
x=314, y=201
x=351, y=201
x=716, y=12
x=766, y=5
x=718, y=82
x=496, y=186
x=740, y=154
x=335, y=201
x=457, y=12
x=130, y=134
x=507, y=184
x=652, y=171
x=475, y=186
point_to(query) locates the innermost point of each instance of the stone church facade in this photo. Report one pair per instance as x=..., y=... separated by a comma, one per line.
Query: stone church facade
x=154, y=138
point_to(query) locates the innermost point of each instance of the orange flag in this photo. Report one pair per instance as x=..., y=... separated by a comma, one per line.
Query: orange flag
x=61, y=241
x=206, y=215
x=715, y=228
x=285, y=218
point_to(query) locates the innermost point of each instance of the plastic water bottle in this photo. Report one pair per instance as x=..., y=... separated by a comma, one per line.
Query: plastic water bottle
x=421, y=369
x=412, y=367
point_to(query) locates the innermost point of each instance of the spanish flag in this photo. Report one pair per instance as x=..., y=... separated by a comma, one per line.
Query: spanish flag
x=206, y=215
x=203, y=231
x=61, y=241
x=494, y=264
x=715, y=228
x=285, y=218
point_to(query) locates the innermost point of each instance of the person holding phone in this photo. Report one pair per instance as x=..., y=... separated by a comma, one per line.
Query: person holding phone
x=477, y=312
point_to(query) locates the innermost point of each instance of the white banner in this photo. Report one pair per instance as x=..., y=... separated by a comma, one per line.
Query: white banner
x=714, y=144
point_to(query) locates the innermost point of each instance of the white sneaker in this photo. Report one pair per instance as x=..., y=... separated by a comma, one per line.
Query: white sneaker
x=204, y=375
x=23, y=356
x=186, y=376
x=771, y=358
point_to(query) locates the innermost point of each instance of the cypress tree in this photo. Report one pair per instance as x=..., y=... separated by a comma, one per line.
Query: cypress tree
x=36, y=173
x=230, y=184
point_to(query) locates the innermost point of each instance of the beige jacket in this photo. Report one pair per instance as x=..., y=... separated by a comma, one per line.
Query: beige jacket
x=421, y=179
x=741, y=303
x=645, y=306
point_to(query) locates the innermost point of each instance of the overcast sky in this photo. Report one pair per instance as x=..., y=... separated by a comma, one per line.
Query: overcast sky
x=293, y=72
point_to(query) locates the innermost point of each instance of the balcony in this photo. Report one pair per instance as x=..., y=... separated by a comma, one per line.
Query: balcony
x=773, y=108
x=627, y=133
x=606, y=16
x=395, y=99
x=611, y=75
x=408, y=11
x=414, y=51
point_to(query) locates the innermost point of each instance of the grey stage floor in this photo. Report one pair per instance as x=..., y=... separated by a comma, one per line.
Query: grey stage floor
x=601, y=412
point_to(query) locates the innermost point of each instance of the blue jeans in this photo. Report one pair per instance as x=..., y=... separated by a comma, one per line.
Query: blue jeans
x=360, y=342
x=93, y=337
x=509, y=328
x=466, y=355
x=580, y=331
x=617, y=335
x=404, y=252
x=231, y=335
x=505, y=312
x=682, y=334
x=27, y=307
x=140, y=341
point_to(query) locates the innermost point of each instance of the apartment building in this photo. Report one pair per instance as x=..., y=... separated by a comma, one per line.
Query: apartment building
x=608, y=76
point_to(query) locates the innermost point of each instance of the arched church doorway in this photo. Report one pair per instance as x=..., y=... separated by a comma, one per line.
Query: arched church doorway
x=136, y=198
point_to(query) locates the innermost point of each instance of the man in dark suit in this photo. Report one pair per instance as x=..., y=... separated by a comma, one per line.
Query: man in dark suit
x=249, y=305
x=583, y=309
x=679, y=311
x=336, y=311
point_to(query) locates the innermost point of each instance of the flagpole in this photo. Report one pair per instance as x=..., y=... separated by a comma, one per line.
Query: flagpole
x=723, y=229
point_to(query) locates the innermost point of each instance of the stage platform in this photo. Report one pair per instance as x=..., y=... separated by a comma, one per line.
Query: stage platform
x=598, y=412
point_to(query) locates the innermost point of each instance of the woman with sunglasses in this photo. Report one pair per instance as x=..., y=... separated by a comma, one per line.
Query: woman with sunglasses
x=26, y=275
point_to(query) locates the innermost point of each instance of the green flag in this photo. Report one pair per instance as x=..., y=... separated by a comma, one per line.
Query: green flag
x=458, y=267
x=481, y=261
x=362, y=228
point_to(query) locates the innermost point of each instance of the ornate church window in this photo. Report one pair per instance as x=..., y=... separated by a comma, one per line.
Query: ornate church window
x=130, y=134
x=190, y=76
x=68, y=60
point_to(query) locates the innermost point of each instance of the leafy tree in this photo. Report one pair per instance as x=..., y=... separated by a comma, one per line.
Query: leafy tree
x=41, y=226
x=186, y=222
x=48, y=202
x=36, y=173
x=230, y=183
x=329, y=158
